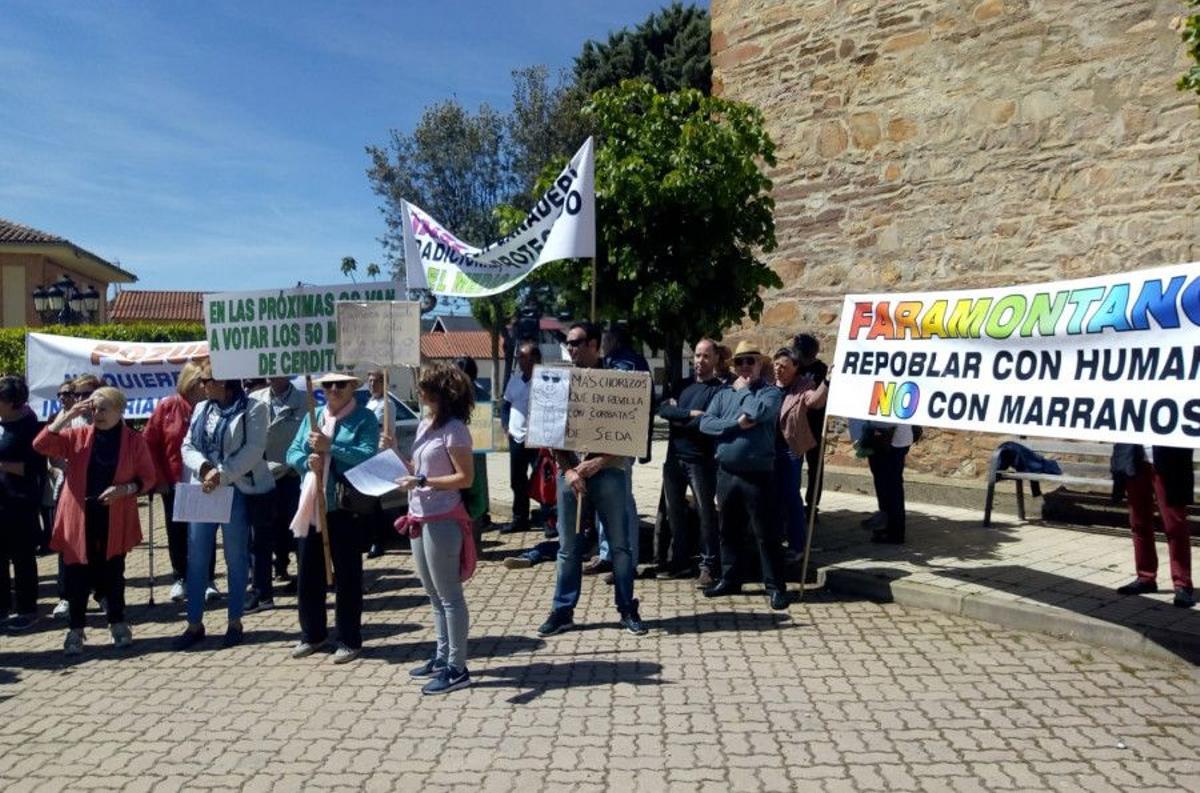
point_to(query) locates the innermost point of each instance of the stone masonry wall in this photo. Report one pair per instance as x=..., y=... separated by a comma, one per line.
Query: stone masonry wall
x=954, y=144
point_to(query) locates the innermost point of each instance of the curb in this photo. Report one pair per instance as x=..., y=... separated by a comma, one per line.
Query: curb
x=1160, y=643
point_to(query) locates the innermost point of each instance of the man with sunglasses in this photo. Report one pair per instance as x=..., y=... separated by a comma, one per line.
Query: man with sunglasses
x=601, y=478
x=742, y=418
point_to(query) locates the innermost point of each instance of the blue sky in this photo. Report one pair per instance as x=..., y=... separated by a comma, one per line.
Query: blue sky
x=219, y=145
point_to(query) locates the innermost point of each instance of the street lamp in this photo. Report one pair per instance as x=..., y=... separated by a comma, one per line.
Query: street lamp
x=65, y=303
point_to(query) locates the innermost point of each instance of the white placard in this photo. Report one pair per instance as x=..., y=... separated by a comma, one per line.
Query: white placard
x=1114, y=358
x=193, y=505
x=377, y=476
x=549, y=391
x=384, y=333
x=590, y=410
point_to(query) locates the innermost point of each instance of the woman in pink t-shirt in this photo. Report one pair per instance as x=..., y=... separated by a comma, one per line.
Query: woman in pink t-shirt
x=437, y=521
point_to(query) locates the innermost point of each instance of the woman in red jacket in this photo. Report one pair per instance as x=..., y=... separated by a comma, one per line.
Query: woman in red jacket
x=97, y=519
x=164, y=435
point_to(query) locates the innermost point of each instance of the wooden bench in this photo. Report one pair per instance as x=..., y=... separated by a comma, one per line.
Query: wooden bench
x=1093, y=472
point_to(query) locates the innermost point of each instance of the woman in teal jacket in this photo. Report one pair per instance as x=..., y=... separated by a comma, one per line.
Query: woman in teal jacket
x=345, y=435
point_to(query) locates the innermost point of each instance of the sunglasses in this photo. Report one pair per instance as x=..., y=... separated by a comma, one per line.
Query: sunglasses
x=82, y=394
x=576, y=342
x=66, y=394
x=745, y=360
x=338, y=385
x=206, y=380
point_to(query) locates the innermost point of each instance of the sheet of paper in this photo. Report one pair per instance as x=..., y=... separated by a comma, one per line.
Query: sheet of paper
x=379, y=474
x=193, y=505
x=549, y=391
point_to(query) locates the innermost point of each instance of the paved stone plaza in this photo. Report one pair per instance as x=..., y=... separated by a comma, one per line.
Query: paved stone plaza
x=839, y=694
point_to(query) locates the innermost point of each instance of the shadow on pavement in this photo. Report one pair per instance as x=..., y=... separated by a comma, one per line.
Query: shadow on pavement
x=537, y=678
x=1174, y=629
x=479, y=647
x=839, y=537
x=723, y=622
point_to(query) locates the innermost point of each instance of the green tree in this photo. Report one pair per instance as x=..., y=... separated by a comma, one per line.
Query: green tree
x=1190, y=81
x=670, y=49
x=453, y=165
x=683, y=210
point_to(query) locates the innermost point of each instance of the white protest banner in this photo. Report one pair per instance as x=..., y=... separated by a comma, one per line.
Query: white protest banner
x=384, y=333
x=144, y=371
x=280, y=332
x=561, y=225
x=1114, y=358
x=590, y=410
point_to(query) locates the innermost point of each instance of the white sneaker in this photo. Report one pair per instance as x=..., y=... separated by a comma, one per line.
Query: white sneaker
x=121, y=634
x=73, y=644
x=63, y=609
x=178, y=592
x=211, y=592
x=344, y=654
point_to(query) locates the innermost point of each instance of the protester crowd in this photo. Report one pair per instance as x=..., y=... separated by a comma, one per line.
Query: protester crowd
x=741, y=428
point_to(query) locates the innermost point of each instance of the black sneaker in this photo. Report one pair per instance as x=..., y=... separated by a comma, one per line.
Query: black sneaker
x=17, y=623
x=188, y=639
x=1138, y=586
x=430, y=668
x=257, y=604
x=233, y=635
x=557, y=622
x=449, y=679
x=631, y=622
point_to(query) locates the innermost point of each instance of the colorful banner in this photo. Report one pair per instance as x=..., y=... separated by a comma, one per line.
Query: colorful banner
x=280, y=332
x=1114, y=358
x=144, y=371
x=561, y=225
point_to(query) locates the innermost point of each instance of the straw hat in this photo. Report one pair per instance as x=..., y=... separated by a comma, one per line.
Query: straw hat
x=337, y=377
x=746, y=347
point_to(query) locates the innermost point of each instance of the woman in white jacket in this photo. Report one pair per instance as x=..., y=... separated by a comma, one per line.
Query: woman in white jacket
x=224, y=446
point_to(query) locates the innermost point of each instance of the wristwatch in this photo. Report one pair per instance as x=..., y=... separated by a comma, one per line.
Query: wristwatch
x=421, y=480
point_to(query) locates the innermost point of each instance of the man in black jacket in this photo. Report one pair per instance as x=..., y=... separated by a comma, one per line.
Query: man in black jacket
x=690, y=461
x=1165, y=475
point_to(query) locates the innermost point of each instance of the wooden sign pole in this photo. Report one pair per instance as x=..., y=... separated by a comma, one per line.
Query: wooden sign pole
x=322, y=519
x=812, y=513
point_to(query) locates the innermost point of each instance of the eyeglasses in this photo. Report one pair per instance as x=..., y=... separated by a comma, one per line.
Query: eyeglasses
x=337, y=385
x=576, y=342
x=745, y=360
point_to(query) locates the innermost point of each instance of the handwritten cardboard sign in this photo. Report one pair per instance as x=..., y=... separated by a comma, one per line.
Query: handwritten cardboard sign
x=590, y=410
x=384, y=333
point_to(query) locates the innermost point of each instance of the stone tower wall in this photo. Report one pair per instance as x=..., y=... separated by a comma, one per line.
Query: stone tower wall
x=925, y=144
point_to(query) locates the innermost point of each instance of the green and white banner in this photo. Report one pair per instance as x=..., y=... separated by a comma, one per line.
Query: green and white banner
x=561, y=225
x=280, y=332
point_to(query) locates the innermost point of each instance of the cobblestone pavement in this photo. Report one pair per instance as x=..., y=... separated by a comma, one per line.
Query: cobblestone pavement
x=835, y=695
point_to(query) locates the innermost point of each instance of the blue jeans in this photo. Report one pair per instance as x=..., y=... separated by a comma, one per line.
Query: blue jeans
x=792, y=515
x=202, y=545
x=604, y=550
x=607, y=490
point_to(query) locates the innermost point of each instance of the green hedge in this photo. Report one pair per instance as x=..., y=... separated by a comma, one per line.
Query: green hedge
x=12, y=340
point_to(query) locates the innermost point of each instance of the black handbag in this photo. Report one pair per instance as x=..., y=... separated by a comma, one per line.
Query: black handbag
x=351, y=500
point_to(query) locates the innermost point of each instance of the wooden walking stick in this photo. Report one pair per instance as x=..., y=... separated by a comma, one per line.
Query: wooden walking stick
x=150, y=520
x=322, y=520
x=812, y=514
